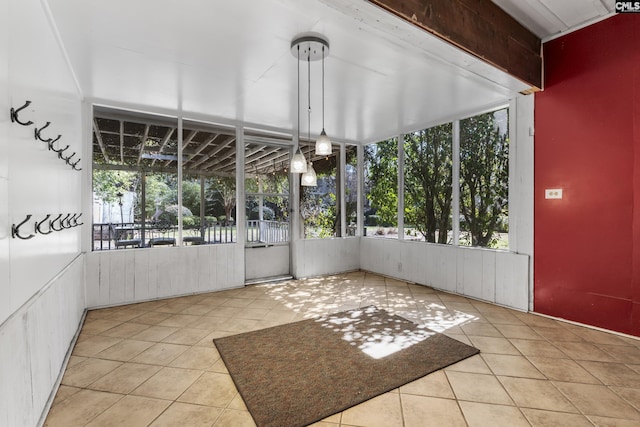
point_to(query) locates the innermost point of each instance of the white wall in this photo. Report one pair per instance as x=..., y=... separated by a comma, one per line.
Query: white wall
x=133, y=275
x=264, y=262
x=315, y=257
x=496, y=276
x=33, y=345
x=41, y=279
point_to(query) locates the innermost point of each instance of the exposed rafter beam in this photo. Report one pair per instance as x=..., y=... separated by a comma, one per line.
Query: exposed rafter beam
x=143, y=142
x=480, y=28
x=121, y=141
x=164, y=142
x=96, y=131
x=219, y=148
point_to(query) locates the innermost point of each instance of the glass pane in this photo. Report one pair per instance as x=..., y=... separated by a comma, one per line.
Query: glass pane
x=484, y=180
x=381, y=189
x=209, y=185
x=267, y=193
x=319, y=205
x=116, y=206
x=127, y=203
x=427, y=184
x=220, y=207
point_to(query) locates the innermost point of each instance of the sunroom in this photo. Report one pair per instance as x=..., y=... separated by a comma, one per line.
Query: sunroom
x=153, y=151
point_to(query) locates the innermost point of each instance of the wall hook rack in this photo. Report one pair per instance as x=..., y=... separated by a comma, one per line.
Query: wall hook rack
x=52, y=223
x=14, y=115
x=38, y=224
x=15, y=230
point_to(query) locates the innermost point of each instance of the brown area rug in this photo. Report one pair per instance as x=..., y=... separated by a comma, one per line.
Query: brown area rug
x=302, y=372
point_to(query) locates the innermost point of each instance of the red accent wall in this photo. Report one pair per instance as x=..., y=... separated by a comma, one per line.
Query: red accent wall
x=587, y=142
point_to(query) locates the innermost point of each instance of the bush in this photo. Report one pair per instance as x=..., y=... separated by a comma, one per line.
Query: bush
x=170, y=214
x=191, y=221
x=372, y=220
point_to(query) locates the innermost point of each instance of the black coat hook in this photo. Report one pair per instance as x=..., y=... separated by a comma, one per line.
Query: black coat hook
x=14, y=114
x=52, y=222
x=57, y=150
x=38, y=224
x=15, y=230
x=73, y=165
x=60, y=152
x=67, y=225
x=50, y=142
x=36, y=134
x=77, y=218
x=72, y=221
x=68, y=159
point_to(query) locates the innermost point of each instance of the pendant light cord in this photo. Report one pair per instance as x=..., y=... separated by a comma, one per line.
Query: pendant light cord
x=298, y=129
x=322, y=87
x=309, y=101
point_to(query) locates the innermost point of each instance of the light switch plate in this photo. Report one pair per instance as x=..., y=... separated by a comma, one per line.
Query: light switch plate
x=553, y=193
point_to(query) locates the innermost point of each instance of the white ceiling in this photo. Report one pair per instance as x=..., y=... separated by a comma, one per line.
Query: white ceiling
x=549, y=18
x=230, y=61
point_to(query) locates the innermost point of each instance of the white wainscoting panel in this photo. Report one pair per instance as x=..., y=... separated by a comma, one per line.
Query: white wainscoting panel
x=263, y=262
x=315, y=257
x=495, y=276
x=33, y=345
x=132, y=275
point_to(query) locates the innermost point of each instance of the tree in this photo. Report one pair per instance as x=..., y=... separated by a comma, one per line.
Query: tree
x=191, y=194
x=222, y=190
x=428, y=177
x=484, y=175
x=108, y=183
x=381, y=171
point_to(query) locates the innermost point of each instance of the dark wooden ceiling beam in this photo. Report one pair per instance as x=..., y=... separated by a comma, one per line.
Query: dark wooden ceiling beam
x=480, y=28
x=143, y=142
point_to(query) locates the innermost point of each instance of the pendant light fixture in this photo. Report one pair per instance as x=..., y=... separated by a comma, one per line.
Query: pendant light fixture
x=298, y=161
x=323, y=143
x=309, y=178
x=313, y=47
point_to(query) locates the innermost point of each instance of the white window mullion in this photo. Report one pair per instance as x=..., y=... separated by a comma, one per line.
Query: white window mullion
x=400, y=187
x=360, y=203
x=179, y=240
x=455, y=183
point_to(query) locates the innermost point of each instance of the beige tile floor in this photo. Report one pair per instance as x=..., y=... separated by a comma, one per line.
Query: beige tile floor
x=154, y=363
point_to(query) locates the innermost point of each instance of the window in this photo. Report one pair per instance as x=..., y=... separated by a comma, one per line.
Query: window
x=351, y=188
x=136, y=183
x=381, y=189
x=484, y=180
x=427, y=184
x=319, y=205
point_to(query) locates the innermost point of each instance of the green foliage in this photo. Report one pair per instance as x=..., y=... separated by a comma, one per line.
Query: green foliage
x=170, y=214
x=221, y=191
x=191, y=194
x=161, y=191
x=108, y=183
x=319, y=213
x=428, y=177
x=381, y=173
x=484, y=176
x=191, y=221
